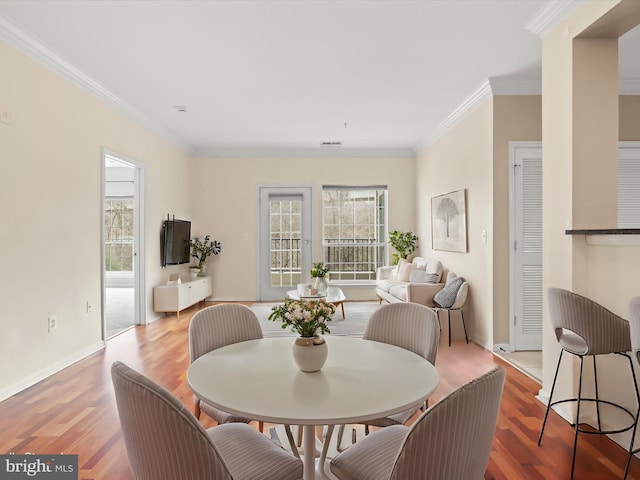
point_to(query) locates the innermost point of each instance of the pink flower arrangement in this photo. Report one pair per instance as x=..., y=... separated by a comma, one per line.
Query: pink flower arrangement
x=307, y=318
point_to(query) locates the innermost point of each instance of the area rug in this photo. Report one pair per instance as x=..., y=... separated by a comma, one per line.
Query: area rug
x=357, y=315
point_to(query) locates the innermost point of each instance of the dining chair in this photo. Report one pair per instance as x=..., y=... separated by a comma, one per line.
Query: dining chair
x=215, y=327
x=451, y=440
x=411, y=326
x=218, y=326
x=585, y=328
x=634, y=327
x=164, y=440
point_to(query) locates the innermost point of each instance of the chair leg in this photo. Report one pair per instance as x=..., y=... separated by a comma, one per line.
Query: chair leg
x=292, y=444
x=196, y=409
x=449, y=318
x=575, y=438
x=595, y=382
x=553, y=386
x=366, y=429
x=635, y=426
x=261, y=426
x=325, y=445
x=299, y=442
x=340, y=434
x=464, y=326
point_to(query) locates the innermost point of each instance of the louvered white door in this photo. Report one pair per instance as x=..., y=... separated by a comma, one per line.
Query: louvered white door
x=526, y=207
x=629, y=185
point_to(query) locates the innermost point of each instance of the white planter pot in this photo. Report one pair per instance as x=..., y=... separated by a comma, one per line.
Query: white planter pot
x=310, y=353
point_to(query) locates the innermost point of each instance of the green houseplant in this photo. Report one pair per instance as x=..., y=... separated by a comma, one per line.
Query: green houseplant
x=404, y=243
x=202, y=249
x=319, y=270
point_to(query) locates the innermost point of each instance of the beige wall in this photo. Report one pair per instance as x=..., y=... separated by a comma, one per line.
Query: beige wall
x=475, y=155
x=50, y=187
x=580, y=158
x=463, y=159
x=515, y=118
x=226, y=206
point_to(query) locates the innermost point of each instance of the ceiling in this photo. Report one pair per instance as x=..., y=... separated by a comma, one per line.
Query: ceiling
x=270, y=76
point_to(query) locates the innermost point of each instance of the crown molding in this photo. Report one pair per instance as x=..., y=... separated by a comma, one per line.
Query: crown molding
x=269, y=152
x=21, y=40
x=550, y=15
x=466, y=107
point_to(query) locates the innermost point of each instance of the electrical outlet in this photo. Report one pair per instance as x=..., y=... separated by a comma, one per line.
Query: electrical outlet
x=53, y=323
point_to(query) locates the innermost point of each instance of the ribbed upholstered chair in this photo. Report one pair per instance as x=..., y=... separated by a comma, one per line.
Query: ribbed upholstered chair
x=215, y=327
x=458, y=304
x=450, y=441
x=411, y=326
x=585, y=328
x=165, y=441
x=634, y=325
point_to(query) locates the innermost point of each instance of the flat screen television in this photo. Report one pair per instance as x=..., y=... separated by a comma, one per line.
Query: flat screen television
x=174, y=242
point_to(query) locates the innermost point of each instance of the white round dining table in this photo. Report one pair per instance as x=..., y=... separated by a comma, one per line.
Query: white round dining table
x=361, y=380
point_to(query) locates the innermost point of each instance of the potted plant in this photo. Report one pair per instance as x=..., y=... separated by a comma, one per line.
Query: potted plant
x=308, y=319
x=202, y=249
x=404, y=243
x=319, y=272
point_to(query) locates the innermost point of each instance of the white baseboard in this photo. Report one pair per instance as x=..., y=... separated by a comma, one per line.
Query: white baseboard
x=501, y=347
x=50, y=370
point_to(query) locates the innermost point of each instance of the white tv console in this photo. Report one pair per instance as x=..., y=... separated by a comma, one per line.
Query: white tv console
x=177, y=297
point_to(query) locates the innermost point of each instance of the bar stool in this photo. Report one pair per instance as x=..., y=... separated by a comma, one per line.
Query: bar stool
x=634, y=324
x=585, y=328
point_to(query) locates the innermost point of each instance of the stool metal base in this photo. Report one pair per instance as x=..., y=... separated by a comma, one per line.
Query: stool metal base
x=597, y=401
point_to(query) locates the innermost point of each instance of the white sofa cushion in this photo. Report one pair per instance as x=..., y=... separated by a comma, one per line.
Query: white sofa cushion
x=399, y=291
x=404, y=272
x=385, y=285
x=434, y=266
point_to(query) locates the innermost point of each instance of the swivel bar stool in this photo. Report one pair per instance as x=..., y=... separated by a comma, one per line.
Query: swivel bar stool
x=585, y=328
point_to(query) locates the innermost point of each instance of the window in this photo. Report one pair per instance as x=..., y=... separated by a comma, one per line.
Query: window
x=118, y=234
x=354, y=231
x=285, y=219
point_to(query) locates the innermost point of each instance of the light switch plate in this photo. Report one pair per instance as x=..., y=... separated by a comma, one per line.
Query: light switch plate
x=5, y=117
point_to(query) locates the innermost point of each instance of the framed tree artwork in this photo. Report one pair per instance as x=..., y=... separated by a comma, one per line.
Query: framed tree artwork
x=449, y=221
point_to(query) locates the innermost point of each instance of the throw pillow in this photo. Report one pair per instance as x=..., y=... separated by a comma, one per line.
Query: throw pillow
x=405, y=270
x=420, y=276
x=396, y=272
x=446, y=297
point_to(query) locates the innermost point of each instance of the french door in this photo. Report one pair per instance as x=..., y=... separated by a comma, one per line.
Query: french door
x=285, y=239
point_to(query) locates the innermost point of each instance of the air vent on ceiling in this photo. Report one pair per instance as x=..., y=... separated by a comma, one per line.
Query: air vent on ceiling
x=331, y=144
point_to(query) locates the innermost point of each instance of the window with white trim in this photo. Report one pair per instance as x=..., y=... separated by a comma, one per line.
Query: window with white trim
x=354, y=231
x=118, y=234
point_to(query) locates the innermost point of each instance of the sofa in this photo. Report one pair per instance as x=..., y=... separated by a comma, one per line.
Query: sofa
x=417, y=281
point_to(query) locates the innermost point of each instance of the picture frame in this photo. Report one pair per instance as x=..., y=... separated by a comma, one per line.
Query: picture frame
x=449, y=221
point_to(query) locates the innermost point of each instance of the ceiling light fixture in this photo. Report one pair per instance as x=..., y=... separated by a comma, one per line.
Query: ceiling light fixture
x=331, y=144
x=180, y=108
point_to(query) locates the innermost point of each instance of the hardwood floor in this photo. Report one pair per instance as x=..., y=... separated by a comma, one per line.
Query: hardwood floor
x=74, y=411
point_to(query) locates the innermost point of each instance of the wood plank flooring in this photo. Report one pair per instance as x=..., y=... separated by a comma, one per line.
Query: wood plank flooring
x=74, y=411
